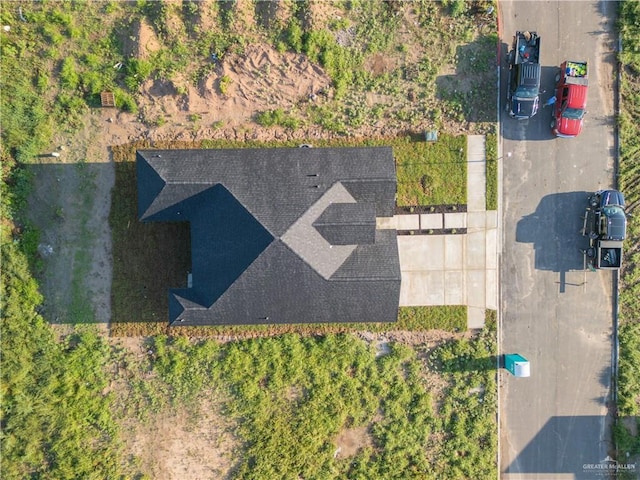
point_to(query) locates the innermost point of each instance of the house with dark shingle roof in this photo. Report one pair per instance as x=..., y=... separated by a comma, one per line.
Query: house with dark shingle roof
x=283, y=235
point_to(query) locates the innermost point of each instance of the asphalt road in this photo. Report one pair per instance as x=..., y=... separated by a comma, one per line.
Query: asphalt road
x=555, y=423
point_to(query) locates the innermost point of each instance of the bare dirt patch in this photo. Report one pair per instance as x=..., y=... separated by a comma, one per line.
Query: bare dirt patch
x=228, y=100
x=351, y=440
x=182, y=446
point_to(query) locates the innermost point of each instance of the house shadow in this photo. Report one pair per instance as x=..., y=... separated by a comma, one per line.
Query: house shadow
x=95, y=261
x=147, y=257
x=554, y=229
x=566, y=445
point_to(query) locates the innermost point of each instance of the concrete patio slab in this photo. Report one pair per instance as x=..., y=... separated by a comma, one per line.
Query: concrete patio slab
x=491, y=299
x=476, y=221
x=491, y=255
x=454, y=252
x=407, y=222
x=476, y=250
x=431, y=221
x=476, y=288
x=424, y=288
x=492, y=219
x=454, y=288
x=476, y=173
x=455, y=220
x=475, y=317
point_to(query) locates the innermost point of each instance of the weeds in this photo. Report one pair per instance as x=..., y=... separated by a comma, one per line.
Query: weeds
x=225, y=82
x=629, y=183
x=270, y=118
x=467, y=413
x=491, y=149
x=282, y=393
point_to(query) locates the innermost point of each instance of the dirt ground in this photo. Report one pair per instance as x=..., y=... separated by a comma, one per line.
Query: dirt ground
x=72, y=192
x=179, y=445
x=198, y=445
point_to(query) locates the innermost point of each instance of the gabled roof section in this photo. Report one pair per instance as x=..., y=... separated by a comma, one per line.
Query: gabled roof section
x=150, y=184
x=283, y=235
x=347, y=223
x=307, y=242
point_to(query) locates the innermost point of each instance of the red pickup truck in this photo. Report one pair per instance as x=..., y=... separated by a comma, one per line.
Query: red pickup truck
x=571, y=99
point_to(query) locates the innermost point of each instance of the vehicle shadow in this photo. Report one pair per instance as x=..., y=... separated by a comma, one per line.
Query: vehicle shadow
x=555, y=231
x=465, y=94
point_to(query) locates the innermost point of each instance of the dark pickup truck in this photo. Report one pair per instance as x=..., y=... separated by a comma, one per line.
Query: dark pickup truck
x=523, y=91
x=605, y=223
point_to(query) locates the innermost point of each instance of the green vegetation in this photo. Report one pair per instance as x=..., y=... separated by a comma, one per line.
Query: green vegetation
x=629, y=184
x=66, y=391
x=291, y=398
x=270, y=118
x=469, y=402
x=416, y=319
x=491, y=147
x=431, y=173
x=56, y=417
x=83, y=56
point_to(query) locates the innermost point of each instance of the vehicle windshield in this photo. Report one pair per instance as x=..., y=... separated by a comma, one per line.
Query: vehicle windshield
x=573, y=113
x=613, y=211
x=526, y=92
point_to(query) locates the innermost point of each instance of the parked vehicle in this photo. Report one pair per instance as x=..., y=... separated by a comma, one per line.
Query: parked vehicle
x=572, y=84
x=523, y=91
x=605, y=223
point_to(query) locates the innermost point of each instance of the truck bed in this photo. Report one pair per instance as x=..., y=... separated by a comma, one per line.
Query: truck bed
x=609, y=254
x=602, y=254
x=526, y=48
x=576, y=73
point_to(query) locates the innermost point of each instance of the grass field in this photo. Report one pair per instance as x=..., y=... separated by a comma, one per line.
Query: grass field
x=291, y=398
x=627, y=427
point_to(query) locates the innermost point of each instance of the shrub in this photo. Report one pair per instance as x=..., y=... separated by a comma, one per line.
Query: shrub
x=294, y=35
x=270, y=118
x=137, y=71
x=225, y=82
x=125, y=101
x=69, y=77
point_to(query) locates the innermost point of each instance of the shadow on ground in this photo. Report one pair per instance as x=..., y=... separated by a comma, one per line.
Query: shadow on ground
x=148, y=258
x=563, y=446
x=469, y=94
x=554, y=229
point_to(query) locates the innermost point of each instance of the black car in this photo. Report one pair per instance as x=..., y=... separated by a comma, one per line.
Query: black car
x=525, y=97
x=611, y=217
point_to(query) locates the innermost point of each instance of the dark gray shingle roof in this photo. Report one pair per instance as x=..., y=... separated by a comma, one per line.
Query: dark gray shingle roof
x=278, y=235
